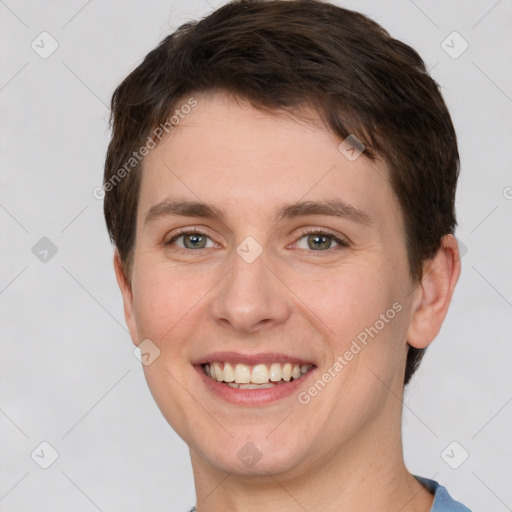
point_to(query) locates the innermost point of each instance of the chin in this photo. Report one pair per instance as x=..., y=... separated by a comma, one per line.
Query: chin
x=254, y=452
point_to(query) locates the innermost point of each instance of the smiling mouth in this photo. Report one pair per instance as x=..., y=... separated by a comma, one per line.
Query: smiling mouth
x=259, y=376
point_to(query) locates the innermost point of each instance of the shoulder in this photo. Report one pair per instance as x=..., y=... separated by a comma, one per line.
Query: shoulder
x=443, y=502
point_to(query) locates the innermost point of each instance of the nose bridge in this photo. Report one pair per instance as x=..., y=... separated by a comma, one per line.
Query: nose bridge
x=250, y=296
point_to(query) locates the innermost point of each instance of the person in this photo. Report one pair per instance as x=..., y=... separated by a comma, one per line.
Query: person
x=279, y=188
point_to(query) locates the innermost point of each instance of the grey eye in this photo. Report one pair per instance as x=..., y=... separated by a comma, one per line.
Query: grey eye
x=193, y=241
x=316, y=241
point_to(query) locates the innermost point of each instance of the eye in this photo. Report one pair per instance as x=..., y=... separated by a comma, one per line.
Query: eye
x=191, y=240
x=319, y=241
x=316, y=240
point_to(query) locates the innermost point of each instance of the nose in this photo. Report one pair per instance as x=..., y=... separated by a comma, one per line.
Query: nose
x=251, y=298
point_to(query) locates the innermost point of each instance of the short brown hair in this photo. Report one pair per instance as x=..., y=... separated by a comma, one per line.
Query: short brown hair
x=287, y=54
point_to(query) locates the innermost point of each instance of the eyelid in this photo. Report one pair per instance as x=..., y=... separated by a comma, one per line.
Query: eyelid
x=341, y=241
x=188, y=231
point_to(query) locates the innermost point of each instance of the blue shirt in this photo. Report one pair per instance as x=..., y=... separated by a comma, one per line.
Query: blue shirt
x=443, y=502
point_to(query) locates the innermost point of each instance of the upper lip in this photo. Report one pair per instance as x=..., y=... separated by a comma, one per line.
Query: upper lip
x=250, y=359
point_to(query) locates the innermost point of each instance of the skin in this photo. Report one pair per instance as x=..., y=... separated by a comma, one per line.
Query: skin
x=342, y=451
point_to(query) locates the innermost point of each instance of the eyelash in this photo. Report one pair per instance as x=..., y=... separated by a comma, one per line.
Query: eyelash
x=342, y=243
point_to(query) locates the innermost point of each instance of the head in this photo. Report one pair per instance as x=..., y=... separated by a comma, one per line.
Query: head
x=256, y=108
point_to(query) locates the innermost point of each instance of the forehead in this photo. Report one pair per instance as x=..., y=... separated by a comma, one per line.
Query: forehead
x=227, y=153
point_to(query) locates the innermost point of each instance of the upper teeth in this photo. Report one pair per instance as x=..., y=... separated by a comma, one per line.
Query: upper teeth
x=257, y=374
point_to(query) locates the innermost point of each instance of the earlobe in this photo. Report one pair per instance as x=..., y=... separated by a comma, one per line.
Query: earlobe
x=127, y=294
x=440, y=275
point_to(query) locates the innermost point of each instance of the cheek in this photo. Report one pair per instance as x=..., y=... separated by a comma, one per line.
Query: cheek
x=362, y=315
x=345, y=299
x=161, y=299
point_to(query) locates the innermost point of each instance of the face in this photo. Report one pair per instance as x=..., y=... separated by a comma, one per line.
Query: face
x=295, y=254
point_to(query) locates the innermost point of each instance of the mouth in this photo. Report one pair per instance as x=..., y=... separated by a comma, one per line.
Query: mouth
x=259, y=376
x=254, y=384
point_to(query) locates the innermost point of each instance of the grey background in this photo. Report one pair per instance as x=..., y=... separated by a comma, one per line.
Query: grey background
x=67, y=372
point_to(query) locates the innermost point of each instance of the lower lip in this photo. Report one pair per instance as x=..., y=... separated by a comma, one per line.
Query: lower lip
x=252, y=396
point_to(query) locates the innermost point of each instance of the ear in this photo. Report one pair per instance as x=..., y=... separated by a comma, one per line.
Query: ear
x=127, y=293
x=440, y=275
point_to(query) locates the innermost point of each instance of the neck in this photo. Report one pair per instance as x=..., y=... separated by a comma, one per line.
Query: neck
x=366, y=473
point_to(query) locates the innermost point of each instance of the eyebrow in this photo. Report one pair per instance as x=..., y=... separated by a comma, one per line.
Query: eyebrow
x=331, y=207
